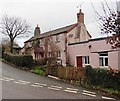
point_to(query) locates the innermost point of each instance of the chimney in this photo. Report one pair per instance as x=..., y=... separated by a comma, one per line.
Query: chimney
x=37, y=31
x=80, y=17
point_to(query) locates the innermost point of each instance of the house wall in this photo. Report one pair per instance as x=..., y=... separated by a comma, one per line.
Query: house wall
x=61, y=46
x=83, y=34
x=113, y=59
x=77, y=50
x=97, y=46
x=94, y=60
x=73, y=34
x=118, y=60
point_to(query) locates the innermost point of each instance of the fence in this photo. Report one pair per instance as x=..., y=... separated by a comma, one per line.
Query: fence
x=53, y=71
x=68, y=73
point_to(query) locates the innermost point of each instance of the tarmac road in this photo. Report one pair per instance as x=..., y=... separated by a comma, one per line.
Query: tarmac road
x=20, y=84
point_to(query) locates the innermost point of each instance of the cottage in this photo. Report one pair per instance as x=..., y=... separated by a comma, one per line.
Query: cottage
x=72, y=45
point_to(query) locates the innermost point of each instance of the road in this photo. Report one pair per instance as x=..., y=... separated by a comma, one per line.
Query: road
x=20, y=84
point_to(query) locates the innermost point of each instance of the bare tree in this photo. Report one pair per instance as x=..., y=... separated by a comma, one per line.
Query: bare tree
x=13, y=27
x=110, y=23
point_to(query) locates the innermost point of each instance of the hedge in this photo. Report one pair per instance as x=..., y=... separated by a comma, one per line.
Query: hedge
x=19, y=60
x=102, y=77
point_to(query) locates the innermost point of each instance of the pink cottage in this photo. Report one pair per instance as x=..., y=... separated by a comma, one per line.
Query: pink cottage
x=73, y=45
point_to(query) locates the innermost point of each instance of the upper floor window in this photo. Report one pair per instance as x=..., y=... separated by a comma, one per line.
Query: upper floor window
x=58, y=54
x=57, y=38
x=103, y=59
x=41, y=40
x=31, y=44
x=70, y=35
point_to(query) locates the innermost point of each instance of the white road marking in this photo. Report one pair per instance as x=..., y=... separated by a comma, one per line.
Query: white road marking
x=4, y=80
x=36, y=86
x=20, y=83
x=89, y=94
x=53, y=88
x=70, y=91
x=108, y=98
x=41, y=84
x=54, y=77
x=56, y=86
x=8, y=78
x=23, y=81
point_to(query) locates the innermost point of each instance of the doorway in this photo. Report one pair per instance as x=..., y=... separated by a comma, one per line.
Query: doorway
x=79, y=61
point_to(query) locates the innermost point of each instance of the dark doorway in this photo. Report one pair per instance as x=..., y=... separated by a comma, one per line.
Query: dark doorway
x=79, y=61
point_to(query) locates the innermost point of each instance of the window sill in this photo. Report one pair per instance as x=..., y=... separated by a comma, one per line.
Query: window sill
x=57, y=41
x=103, y=66
x=85, y=65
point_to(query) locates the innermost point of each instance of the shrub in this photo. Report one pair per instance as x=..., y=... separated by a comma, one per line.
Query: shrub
x=102, y=77
x=40, y=62
x=39, y=70
x=19, y=60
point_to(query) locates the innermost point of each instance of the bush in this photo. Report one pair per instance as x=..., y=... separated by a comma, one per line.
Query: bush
x=102, y=77
x=19, y=60
x=39, y=70
x=40, y=62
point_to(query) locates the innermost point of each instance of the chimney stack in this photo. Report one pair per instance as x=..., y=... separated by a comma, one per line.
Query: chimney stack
x=37, y=31
x=80, y=17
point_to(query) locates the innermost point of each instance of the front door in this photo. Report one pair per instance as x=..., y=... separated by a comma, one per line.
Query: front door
x=79, y=61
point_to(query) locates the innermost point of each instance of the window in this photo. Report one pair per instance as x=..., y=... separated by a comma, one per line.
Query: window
x=57, y=38
x=41, y=40
x=58, y=54
x=103, y=59
x=42, y=55
x=70, y=35
x=85, y=59
x=36, y=55
x=49, y=54
x=31, y=44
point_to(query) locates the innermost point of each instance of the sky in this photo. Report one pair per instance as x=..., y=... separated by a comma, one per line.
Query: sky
x=53, y=14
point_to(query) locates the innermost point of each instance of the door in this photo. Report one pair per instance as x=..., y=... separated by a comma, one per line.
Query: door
x=79, y=61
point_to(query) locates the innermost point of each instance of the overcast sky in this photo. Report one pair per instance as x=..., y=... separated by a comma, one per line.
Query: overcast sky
x=52, y=14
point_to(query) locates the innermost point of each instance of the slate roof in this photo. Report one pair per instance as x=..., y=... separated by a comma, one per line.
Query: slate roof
x=53, y=32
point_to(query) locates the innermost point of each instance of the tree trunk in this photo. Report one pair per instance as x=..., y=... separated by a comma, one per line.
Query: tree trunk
x=11, y=46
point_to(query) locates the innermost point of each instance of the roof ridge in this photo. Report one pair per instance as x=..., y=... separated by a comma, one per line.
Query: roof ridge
x=60, y=28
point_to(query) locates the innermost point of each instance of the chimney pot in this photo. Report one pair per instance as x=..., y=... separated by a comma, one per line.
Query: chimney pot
x=80, y=17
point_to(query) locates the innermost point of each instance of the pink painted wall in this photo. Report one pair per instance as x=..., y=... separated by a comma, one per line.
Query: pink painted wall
x=99, y=45
x=94, y=60
x=61, y=47
x=113, y=59
x=77, y=50
x=82, y=49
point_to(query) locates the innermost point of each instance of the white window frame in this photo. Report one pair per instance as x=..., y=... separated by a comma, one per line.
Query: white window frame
x=49, y=54
x=85, y=60
x=58, y=54
x=103, y=59
x=57, y=38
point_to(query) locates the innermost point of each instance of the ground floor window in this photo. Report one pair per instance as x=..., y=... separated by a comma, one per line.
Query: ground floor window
x=36, y=56
x=103, y=59
x=49, y=54
x=85, y=59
